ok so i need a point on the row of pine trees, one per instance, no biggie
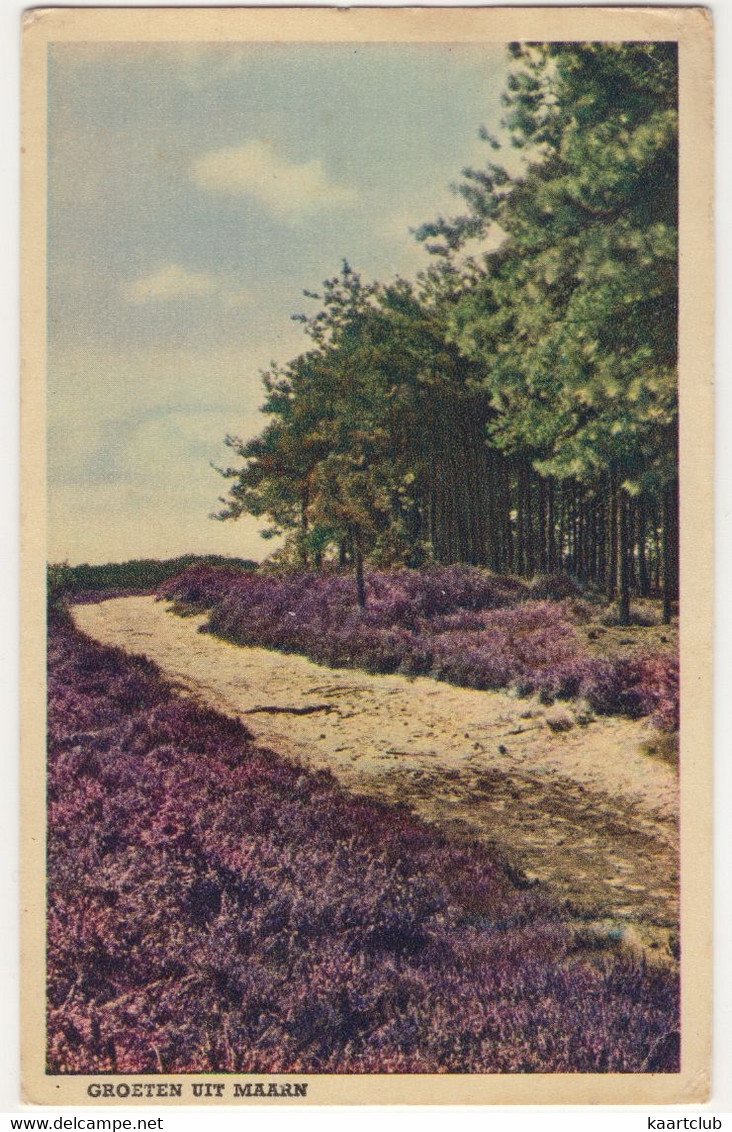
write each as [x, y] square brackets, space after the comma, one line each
[515, 407]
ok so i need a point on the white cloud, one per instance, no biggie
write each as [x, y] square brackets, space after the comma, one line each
[255, 169]
[171, 282]
[132, 437]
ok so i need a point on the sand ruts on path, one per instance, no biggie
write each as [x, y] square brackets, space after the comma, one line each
[586, 811]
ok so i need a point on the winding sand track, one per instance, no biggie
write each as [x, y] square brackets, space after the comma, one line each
[585, 811]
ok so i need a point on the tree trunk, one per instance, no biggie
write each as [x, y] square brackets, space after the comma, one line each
[519, 561]
[624, 552]
[529, 538]
[543, 557]
[670, 549]
[508, 550]
[576, 532]
[562, 528]
[601, 543]
[304, 524]
[591, 537]
[551, 532]
[360, 585]
[633, 543]
[612, 566]
[581, 512]
[357, 544]
[644, 583]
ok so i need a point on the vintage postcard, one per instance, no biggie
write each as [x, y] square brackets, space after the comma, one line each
[367, 535]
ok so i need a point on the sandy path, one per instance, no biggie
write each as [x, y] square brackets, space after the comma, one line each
[586, 811]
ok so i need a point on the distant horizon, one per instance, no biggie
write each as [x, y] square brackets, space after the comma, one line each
[195, 191]
[152, 558]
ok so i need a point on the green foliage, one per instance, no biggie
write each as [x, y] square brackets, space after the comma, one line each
[575, 316]
[446, 418]
[350, 447]
[59, 585]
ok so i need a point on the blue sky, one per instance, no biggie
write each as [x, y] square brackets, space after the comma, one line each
[194, 192]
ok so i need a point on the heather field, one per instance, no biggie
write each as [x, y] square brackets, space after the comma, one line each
[215, 907]
[459, 624]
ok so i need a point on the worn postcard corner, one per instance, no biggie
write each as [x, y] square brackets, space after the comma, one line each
[367, 571]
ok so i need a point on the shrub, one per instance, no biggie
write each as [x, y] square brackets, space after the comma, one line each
[58, 586]
[455, 623]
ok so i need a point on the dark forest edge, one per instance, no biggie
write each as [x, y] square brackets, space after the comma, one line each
[516, 407]
[216, 908]
[136, 576]
[460, 624]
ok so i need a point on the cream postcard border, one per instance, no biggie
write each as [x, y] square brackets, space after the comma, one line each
[691, 28]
